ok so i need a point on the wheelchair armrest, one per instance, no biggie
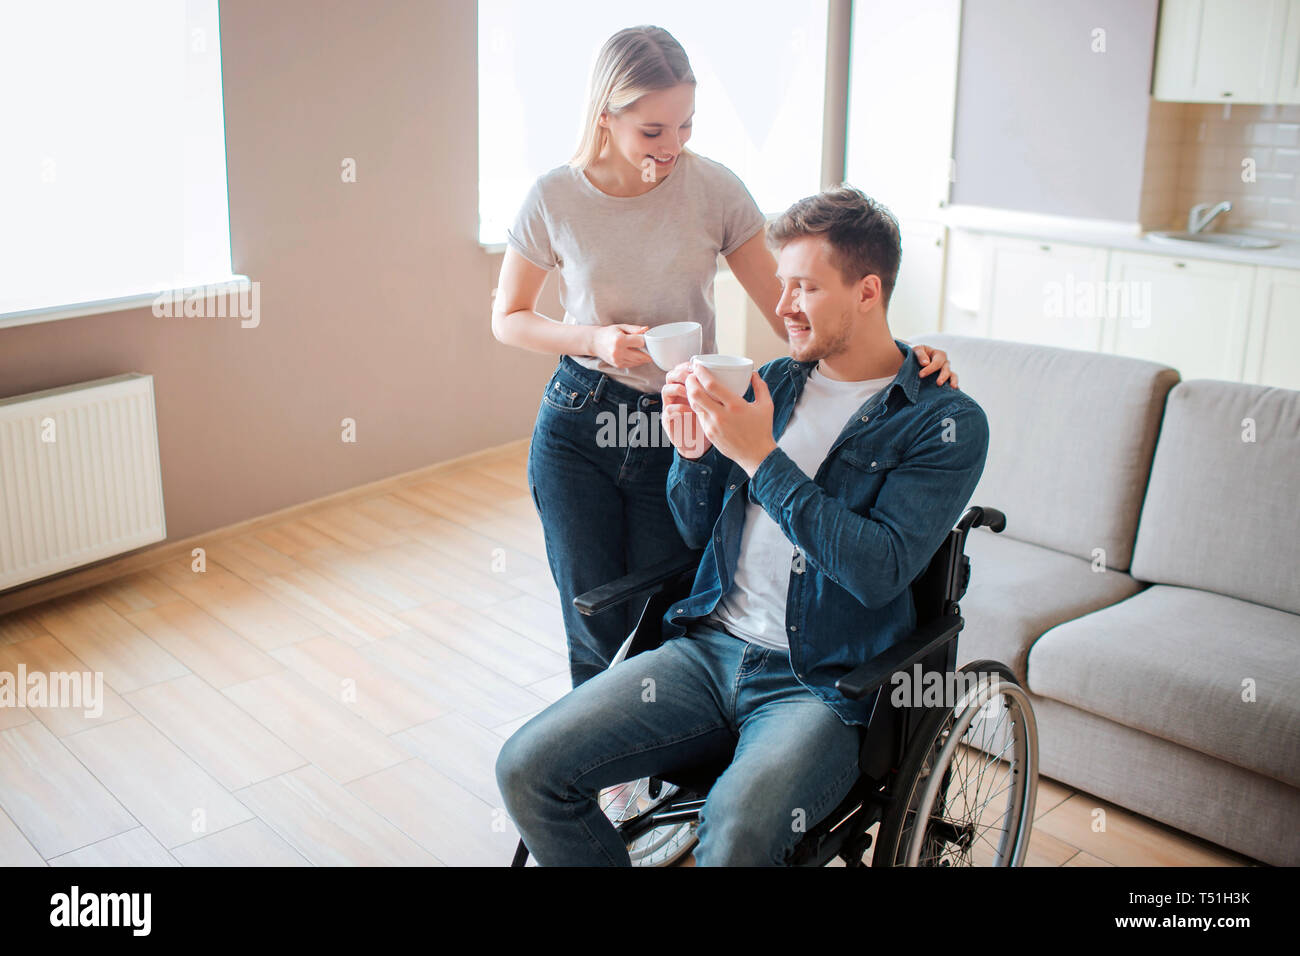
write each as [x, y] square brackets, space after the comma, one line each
[923, 642]
[638, 582]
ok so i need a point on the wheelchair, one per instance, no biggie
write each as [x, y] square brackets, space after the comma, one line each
[951, 782]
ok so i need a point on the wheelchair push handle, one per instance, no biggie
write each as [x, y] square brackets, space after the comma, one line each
[979, 517]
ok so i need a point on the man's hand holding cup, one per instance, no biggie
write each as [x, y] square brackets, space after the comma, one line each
[701, 411]
[678, 417]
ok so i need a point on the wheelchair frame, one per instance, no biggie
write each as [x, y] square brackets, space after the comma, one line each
[896, 747]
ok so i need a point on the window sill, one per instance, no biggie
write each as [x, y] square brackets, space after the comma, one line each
[223, 286]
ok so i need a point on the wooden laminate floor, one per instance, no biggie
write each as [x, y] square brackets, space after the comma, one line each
[333, 690]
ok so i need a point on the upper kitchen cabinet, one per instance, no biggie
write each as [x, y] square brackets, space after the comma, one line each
[1288, 84]
[1227, 51]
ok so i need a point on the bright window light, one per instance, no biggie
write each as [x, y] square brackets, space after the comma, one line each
[902, 78]
[760, 70]
[113, 170]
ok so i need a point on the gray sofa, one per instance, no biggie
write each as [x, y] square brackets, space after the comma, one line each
[1147, 586]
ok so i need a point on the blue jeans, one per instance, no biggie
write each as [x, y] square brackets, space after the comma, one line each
[602, 499]
[688, 701]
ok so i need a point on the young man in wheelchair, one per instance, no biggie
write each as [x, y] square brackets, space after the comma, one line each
[812, 539]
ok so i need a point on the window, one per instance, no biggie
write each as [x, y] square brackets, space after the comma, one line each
[902, 94]
[113, 172]
[760, 70]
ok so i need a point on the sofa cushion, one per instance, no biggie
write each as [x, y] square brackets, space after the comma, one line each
[1070, 439]
[1172, 661]
[1017, 591]
[1221, 511]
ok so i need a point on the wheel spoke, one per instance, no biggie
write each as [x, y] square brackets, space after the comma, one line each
[972, 796]
[659, 845]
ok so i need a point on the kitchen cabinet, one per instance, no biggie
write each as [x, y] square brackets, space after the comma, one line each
[1189, 313]
[1288, 84]
[1226, 51]
[1207, 318]
[1273, 344]
[1044, 293]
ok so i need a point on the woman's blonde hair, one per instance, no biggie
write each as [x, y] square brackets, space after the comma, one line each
[632, 63]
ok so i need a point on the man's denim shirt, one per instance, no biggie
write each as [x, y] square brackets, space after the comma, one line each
[894, 483]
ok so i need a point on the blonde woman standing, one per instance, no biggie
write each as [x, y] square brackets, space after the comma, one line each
[634, 223]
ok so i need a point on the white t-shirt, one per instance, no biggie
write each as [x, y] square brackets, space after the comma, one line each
[754, 606]
[644, 260]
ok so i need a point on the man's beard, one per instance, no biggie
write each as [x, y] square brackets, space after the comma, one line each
[817, 349]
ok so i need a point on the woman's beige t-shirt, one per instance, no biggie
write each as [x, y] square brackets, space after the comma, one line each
[645, 260]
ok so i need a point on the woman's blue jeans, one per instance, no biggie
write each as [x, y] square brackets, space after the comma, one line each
[689, 701]
[598, 472]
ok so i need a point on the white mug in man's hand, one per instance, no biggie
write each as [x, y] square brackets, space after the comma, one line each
[733, 371]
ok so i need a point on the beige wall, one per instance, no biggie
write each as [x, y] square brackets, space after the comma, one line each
[375, 295]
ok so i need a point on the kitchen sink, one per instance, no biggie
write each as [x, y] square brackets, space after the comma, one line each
[1231, 240]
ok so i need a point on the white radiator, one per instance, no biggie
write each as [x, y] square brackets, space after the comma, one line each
[79, 476]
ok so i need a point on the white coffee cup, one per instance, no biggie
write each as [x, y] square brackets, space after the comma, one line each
[672, 344]
[733, 371]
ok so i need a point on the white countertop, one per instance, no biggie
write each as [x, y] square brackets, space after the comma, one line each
[1117, 235]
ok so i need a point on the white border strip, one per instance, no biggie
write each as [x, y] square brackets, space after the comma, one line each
[1015, 222]
[139, 300]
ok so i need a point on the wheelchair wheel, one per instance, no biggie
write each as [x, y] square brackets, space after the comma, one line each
[968, 781]
[660, 846]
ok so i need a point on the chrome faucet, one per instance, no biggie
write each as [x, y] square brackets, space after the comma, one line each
[1199, 218]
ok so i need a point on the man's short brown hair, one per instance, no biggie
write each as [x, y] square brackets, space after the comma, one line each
[863, 235]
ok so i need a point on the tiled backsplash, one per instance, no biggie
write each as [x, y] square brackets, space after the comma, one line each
[1195, 154]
